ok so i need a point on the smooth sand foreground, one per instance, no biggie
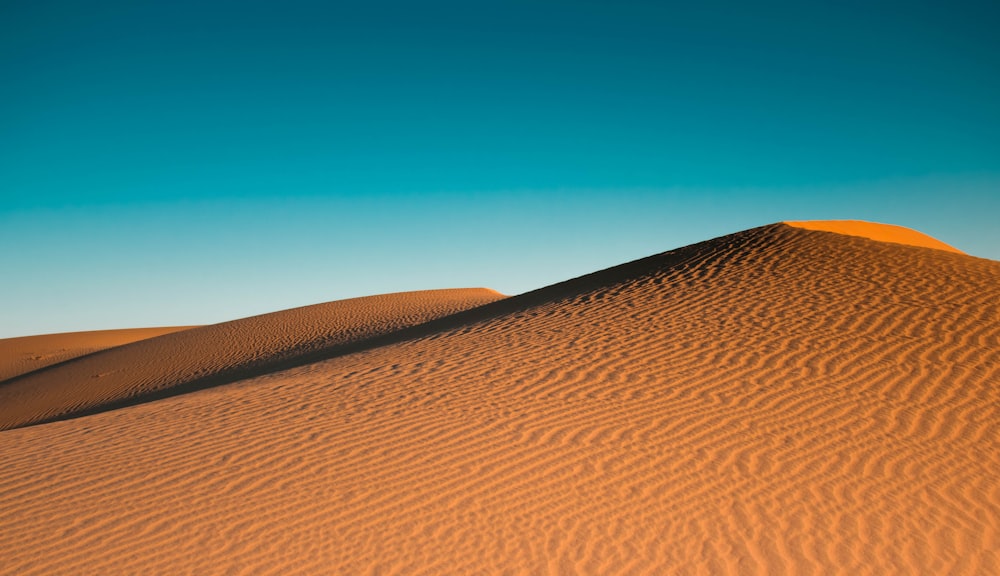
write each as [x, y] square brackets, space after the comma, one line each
[776, 401]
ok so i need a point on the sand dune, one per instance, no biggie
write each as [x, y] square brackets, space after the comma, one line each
[218, 353]
[29, 353]
[777, 401]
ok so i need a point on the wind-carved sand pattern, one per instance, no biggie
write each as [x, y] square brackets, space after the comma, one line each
[776, 401]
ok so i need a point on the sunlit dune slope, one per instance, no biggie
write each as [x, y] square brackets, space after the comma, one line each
[29, 353]
[210, 355]
[776, 401]
[876, 231]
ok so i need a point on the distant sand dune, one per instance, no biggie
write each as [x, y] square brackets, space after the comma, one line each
[776, 401]
[29, 353]
[219, 353]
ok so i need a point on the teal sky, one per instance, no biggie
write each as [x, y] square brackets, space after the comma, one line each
[183, 162]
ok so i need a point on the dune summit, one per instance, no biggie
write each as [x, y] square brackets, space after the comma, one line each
[876, 231]
[779, 400]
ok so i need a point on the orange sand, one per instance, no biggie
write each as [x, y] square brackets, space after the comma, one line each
[29, 353]
[219, 353]
[776, 401]
[876, 231]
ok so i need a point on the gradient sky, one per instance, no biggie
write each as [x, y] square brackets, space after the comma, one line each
[166, 163]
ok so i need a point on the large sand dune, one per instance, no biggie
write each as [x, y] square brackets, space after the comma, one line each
[777, 401]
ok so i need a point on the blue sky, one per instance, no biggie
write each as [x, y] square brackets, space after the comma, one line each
[190, 162]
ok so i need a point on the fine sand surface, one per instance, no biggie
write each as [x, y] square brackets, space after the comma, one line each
[219, 353]
[777, 401]
[29, 353]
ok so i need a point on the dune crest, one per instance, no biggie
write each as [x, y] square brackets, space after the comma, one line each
[876, 231]
[775, 401]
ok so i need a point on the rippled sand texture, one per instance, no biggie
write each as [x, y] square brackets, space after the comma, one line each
[777, 401]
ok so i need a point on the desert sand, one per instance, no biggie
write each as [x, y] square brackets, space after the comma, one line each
[782, 400]
[30, 353]
[876, 231]
[219, 353]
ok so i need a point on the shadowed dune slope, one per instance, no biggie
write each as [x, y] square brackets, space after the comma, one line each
[776, 401]
[876, 231]
[219, 353]
[29, 353]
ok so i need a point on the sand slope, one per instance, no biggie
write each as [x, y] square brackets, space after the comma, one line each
[777, 401]
[29, 353]
[219, 353]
